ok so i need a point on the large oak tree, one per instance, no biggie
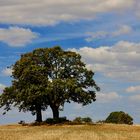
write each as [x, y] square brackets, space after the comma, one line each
[49, 77]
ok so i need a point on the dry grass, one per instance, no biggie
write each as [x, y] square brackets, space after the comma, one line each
[70, 132]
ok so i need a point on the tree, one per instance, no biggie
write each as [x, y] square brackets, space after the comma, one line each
[119, 118]
[29, 81]
[27, 91]
[69, 80]
[50, 77]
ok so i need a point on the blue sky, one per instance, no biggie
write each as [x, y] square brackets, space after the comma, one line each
[105, 33]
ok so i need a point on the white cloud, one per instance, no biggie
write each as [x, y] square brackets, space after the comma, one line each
[135, 98]
[46, 12]
[96, 35]
[137, 8]
[2, 88]
[107, 97]
[122, 30]
[118, 61]
[7, 72]
[16, 37]
[133, 89]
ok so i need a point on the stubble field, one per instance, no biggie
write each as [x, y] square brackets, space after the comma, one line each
[70, 132]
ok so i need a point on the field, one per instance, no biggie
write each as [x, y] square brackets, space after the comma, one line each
[70, 132]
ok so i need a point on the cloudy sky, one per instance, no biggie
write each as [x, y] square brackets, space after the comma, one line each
[105, 32]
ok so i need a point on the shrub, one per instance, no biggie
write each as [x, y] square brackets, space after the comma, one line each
[55, 121]
[80, 120]
[119, 118]
[87, 120]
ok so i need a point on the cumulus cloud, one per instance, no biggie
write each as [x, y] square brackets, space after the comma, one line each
[107, 97]
[7, 72]
[133, 89]
[122, 30]
[45, 12]
[137, 8]
[135, 98]
[118, 61]
[16, 37]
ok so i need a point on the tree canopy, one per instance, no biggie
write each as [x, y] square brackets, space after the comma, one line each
[119, 117]
[49, 77]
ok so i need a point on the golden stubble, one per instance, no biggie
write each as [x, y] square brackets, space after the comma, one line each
[70, 132]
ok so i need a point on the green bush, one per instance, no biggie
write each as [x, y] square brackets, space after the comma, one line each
[119, 118]
[82, 120]
[55, 121]
[87, 120]
[78, 120]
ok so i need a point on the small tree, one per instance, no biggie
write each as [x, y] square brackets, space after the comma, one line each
[119, 118]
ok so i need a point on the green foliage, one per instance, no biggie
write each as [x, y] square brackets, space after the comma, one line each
[80, 120]
[7, 99]
[119, 118]
[49, 77]
[69, 80]
[87, 120]
[56, 120]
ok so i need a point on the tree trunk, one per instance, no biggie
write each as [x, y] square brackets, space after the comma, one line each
[38, 114]
[55, 111]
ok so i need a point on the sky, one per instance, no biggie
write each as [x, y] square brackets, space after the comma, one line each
[106, 33]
